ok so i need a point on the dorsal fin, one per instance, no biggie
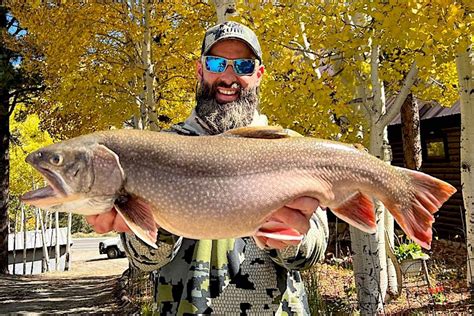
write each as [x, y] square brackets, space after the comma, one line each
[360, 147]
[267, 132]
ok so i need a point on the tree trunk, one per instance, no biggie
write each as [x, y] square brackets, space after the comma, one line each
[148, 76]
[411, 133]
[370, 264]
[370, 270]
[4, 180]
[224, 9]
[465, 70]
[4, 147]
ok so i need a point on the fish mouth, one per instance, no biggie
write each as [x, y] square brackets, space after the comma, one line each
[52, 194]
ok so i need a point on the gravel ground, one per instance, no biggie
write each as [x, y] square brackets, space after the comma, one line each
[87, 288]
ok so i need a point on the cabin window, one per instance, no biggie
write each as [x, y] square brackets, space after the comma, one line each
[435, 147]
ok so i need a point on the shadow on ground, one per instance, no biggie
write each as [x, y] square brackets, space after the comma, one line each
[34, 294]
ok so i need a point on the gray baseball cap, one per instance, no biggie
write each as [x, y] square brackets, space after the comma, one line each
[231, 30]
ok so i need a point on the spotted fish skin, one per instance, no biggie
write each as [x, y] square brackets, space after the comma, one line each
[214, 187]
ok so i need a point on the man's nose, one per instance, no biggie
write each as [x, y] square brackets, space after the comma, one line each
[229, 76]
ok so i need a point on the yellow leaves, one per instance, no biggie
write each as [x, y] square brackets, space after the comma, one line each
[28, 137]
[92, 58]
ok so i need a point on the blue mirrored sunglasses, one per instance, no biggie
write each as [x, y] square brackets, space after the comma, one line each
[242, 67]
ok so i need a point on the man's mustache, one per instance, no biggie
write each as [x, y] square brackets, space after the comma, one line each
[233, 85]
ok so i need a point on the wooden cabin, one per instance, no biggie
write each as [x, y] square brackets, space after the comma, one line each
[440, 130]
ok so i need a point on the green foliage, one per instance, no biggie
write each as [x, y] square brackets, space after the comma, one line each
[408, 250]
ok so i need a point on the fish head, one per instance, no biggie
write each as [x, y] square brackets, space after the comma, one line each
[81, 178]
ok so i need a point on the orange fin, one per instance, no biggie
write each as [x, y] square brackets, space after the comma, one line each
[139, 217]
[358, 211]
[429, 194]
[278, 230]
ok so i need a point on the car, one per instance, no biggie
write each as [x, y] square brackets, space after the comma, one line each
[112, 247]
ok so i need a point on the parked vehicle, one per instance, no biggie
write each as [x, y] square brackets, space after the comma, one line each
[113, 247]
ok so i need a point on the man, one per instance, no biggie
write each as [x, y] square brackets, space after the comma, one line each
[256, 275]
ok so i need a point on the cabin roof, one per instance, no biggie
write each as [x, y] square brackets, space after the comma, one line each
[429, 110]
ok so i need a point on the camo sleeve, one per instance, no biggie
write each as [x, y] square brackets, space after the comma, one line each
[147, 259]
[310, 250]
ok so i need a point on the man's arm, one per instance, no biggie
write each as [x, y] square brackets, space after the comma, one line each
[148, 259]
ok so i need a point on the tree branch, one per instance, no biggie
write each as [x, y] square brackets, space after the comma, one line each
[377, 85]
[404, 91]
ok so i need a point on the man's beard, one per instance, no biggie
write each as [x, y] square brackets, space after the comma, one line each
[223, 117]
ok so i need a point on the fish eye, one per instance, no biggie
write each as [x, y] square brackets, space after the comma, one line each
[56, 160]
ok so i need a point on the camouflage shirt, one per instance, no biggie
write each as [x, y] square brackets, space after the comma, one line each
[228, 276]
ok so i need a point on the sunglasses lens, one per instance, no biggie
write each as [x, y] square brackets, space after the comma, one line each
[244, 66]
[215, 64]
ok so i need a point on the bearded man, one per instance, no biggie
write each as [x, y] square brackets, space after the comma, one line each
[252, 275]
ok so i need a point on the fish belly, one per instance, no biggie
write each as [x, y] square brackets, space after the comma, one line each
[225, 207]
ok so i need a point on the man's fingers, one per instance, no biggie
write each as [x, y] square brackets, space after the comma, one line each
[104, 222]
[304, 204]
[292, 218]
[91, 219]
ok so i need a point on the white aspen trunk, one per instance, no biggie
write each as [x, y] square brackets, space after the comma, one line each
[370, 264]
[465, 68]
[151, 120]
[393, 285]
[140, 121]
[308, 54]
[225, 9]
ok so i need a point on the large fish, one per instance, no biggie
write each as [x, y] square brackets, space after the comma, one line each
[213, 187]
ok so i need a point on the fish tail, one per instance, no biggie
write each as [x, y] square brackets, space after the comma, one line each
[427, 196]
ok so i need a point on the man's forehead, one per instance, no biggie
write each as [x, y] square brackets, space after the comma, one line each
[234, 45]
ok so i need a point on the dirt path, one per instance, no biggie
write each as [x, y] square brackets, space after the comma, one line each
[88, 288]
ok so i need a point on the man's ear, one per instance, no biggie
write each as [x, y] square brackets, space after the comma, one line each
[260, 72]
[199, 70]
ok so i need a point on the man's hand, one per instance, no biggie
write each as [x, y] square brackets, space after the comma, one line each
[295, 215]
[109, 221]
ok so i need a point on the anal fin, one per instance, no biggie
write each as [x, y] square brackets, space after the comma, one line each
[139, 217]
[358, 211]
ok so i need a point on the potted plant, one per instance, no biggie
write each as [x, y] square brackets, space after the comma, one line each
[410, 256]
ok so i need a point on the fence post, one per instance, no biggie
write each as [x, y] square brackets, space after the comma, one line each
[67, 262]
[43, 238]
[56, 248]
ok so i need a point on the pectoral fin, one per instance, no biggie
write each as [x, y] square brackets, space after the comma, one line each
[266, 132]
[139, 217]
